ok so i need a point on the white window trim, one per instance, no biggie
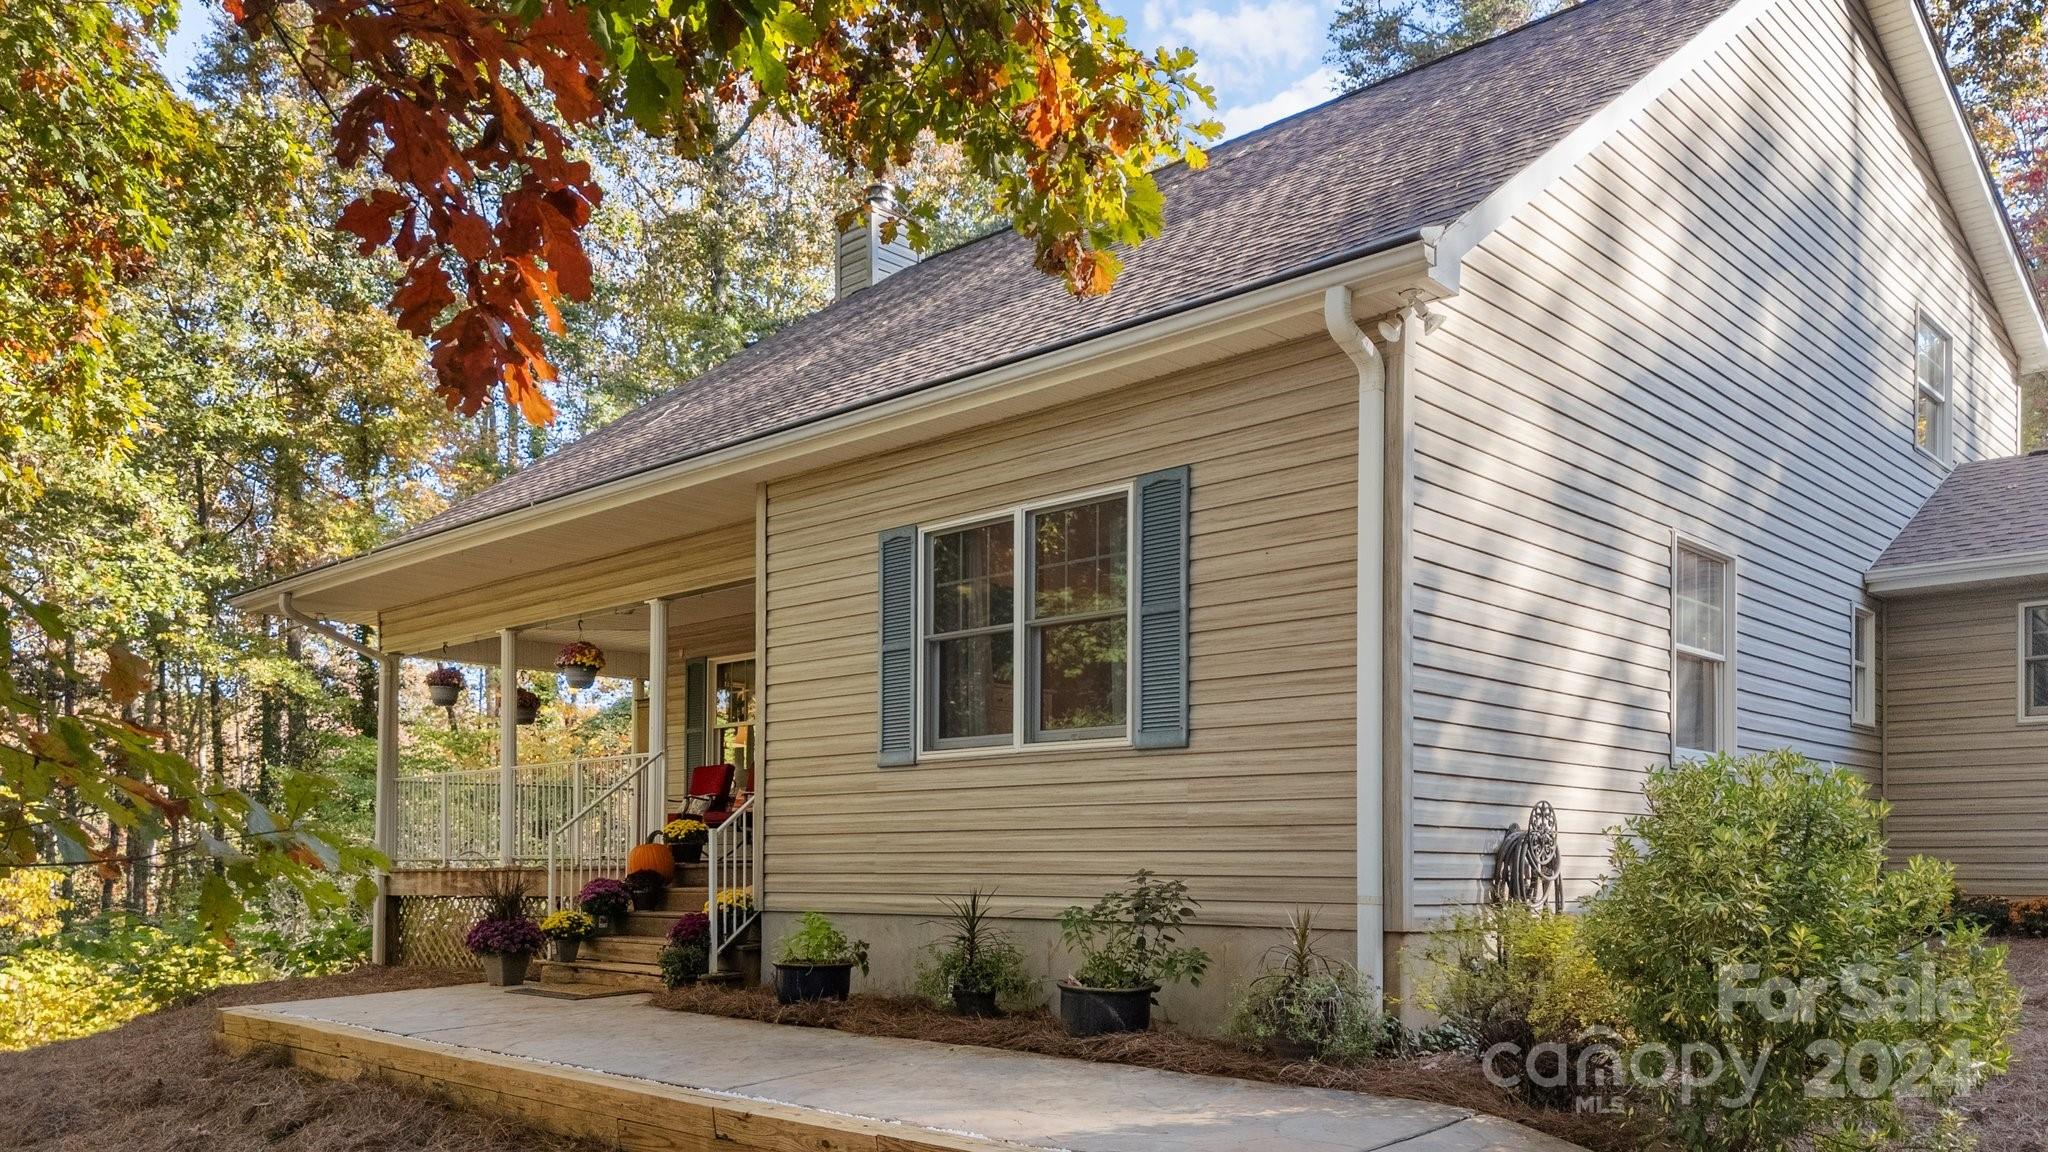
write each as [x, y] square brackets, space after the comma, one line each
[1725, 700]
[1860, 615]
[711, 725]
[2020, 663]
[1941, 436]
[1020, 626]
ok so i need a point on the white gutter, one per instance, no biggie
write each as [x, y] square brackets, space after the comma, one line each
[1343, 327]
[1244, 311]
[1936, 575]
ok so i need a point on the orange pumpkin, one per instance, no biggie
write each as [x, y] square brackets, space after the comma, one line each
[651, 858]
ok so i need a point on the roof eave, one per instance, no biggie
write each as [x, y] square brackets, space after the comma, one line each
[1956, 575]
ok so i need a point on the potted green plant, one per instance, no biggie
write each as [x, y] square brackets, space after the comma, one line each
[644, 889]
[686, 836]
[1304, 1005]
[579, 663]
[567, 929]
[505, 938]
[975, 965]
[606, 900]
[445, 685]
[687, 955]
[817, 962]
[527, 707]
[1126, 943]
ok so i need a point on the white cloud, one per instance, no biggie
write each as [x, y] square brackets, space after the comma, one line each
[1307, 92]
[1244, 47]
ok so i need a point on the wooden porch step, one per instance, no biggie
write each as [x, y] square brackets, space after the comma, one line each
[627, 949]
[611, 972]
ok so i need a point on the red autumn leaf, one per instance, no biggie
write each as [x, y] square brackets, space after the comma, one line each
[422, 295]
[369, 218]
[470, 235]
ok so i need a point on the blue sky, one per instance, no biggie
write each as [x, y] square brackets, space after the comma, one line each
[1264, 57]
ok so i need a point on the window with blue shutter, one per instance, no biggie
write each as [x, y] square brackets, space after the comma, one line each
[898, 642]
[1063, 621]
[1162, 655]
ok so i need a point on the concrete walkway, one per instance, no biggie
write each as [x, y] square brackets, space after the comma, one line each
[1018, 1099]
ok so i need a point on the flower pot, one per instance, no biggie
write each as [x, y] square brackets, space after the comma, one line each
[1095, 1011]
[646, 899]
[981, 1005]
[687, 851]
[444, 695]
[525, 715]
[505, 969]
[579, 675]
[798, 983]
[565, 950]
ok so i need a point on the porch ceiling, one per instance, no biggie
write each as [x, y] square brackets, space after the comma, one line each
[621, 632]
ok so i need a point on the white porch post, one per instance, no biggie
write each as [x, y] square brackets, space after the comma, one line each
[656, 801]
[508, 745]
[385, 818]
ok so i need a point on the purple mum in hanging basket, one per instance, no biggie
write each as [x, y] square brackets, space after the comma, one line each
[605, 896]
[690, 928]
[504, 937]
[445, 677]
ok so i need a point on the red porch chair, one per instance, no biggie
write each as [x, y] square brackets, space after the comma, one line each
[719, 815]
[709, 790]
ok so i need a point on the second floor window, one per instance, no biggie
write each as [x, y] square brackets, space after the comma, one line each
[1863, 669]
[1933, 361]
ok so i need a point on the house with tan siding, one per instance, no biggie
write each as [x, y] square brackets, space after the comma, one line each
[1479, 439]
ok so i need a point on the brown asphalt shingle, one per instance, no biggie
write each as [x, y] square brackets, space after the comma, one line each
[1984, 510]
[1367, 169]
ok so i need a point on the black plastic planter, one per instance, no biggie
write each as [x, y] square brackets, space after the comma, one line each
[797, 983]
[1096, 1011]
[977, 1004]
[687, 851]
[646, 899]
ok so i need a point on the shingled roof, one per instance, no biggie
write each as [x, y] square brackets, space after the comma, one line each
[1363, 171]
[1984, 511]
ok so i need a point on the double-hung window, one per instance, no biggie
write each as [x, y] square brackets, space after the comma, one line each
[734, 711]
[1002, 669]
[1863, 669]
[2033, 646]
[1933, 370]
[1702, 633]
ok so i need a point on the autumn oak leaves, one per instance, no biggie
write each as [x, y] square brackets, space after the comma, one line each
[469, 109]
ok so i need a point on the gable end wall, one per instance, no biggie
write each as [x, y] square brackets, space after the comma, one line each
[1707, 327]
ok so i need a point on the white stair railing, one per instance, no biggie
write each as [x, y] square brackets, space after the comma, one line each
[594, 839]
[734, 854]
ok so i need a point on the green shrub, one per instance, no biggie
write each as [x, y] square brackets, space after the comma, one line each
[1126, 940]
[684, 963]
[816, 941]
[107, 972]
[975, 956]
[1305, 1000]
[1765, 874]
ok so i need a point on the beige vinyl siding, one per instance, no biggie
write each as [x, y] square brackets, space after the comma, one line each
[1967, 780]
[1707, 327]
[717, 558]
[1257, 813]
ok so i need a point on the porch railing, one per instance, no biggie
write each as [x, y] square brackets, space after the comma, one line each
[734, 854]
[450, 819]
[594, 838]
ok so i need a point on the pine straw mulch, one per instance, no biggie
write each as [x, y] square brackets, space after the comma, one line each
[160, 1083]
[2010, 1114]
[1443, 1079]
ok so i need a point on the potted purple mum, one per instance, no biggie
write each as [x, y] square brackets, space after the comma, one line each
[506, 938]
[607, 900]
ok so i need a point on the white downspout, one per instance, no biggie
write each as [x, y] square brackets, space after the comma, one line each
[1343, 327]
[384, 817]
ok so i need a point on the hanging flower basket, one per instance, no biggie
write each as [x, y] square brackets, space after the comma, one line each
[445, 685]
[528, 706]
[579, 663]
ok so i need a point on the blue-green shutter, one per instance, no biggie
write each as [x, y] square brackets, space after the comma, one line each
[898, 643]
[1161, 657]
[696, 713]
